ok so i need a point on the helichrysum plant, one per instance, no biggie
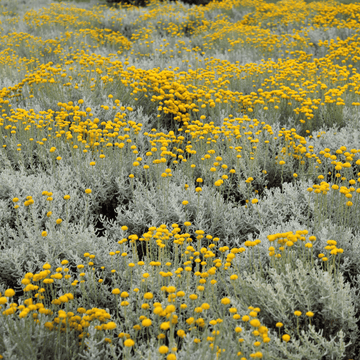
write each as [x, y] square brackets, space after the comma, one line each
[179, 182]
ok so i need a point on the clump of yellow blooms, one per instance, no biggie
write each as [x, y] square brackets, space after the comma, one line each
[178, 311]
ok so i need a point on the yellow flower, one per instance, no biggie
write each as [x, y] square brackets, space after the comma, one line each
[146, 322]
[115, 291]
[297, 313]
[110, 326]
[165, 325]
[286, 337]
[205, 306]
[255, 323]
[148, 295]
[310, 314]
[88, 191]
[44, 233]
[170, 309]
[3, 300]
[49, 325]
[129, 342]
[225, 301]
[163, 349]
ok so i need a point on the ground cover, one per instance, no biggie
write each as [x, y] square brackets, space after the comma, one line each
[179, 182]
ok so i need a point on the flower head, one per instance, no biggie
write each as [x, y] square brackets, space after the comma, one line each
[163, 349]
[110, 325]
[225, 301]
[286, 337]
[9, 293]
[129, 342]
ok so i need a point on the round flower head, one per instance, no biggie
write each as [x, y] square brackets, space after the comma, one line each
[225, 301]
[146, 322]
[110, 326]
[3, 300]
[9, 293]
[163, 349]
[148, 295]
[129, 342]
[286, 337]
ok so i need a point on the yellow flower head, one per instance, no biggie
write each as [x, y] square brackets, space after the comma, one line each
[148, 295]
[110, 326]
[163, 349]
[225, 301]
[129, 342]
[146, 322]
[286, 337]
[9, 293]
